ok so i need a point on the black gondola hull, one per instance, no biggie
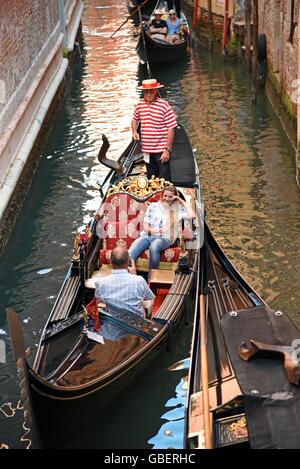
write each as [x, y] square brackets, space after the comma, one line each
[158, 52]
[62, 413]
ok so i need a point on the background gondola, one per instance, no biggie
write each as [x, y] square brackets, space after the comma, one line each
[156, 51]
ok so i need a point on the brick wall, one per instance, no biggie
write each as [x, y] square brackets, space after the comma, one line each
[217, 6]
[275, 22]
[25, 27]
[217, 22]
[217, 16]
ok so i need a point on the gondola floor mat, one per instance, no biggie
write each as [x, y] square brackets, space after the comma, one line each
[272, 403]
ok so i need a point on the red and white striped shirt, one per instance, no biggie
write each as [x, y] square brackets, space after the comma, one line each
[155, 120]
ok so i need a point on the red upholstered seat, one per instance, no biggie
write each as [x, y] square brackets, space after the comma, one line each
[122, 224]
[120, 234]
[170, 254]
[168, 258]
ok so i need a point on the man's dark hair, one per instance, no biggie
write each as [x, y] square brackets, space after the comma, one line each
[119, 257]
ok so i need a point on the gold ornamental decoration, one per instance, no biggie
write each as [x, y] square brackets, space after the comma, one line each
[81, 238]
[139, 187]
[239, 428]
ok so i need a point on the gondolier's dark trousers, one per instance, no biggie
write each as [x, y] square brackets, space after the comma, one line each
[156, 168]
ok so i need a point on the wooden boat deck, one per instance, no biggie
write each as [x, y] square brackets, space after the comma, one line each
[63, 305]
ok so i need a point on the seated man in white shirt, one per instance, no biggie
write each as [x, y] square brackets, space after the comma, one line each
[123, 289]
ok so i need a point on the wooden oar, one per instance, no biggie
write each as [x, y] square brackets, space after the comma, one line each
[204, 358]
[20, 353]
[133, 13]
[144, 45]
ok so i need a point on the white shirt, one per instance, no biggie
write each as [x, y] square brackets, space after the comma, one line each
[158, 216]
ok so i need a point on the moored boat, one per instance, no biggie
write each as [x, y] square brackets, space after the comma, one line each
[244, 374]
[159, 51]
[76, 371]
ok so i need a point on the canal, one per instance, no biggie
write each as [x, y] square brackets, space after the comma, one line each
[252, 203]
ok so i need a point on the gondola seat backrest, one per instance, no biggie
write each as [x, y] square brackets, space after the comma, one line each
[122, 224]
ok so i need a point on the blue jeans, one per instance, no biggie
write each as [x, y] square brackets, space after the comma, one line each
[154, 243]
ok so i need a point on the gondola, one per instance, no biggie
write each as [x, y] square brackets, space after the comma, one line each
[157, 51]
[76, 370]
[145, 6]
[243, 387]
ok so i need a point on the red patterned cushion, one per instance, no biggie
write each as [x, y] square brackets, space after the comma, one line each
[154, 198]
[123, 208]
[104, 256]
[122, 223]
[168, 255]
[119, 233]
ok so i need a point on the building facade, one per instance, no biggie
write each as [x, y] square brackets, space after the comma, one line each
[35, 38]
[279, 21]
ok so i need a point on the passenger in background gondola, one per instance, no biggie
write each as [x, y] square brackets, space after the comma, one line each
[158, 27]
[176, 4]
[173, 24]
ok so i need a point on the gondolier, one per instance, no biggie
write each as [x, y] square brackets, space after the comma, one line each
[157, 121]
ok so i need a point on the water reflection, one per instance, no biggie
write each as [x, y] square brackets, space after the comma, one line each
[247, 168]
[170, 434]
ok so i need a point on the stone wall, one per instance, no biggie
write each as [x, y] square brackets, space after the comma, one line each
[35, 38]
[217, 18]
[27, 27]
[282, 46]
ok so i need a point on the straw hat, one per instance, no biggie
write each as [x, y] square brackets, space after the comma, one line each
[150, 84]
[158, 12]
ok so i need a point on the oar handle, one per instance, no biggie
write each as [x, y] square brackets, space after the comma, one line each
[204, 374]
[133, 13]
